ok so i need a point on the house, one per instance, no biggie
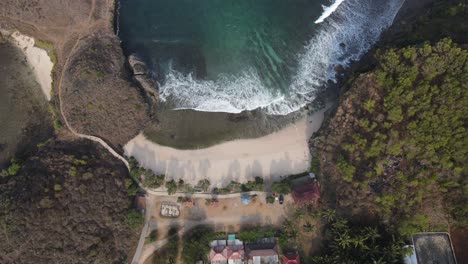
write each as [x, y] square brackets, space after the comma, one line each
[306, 192]
[140, 203]
[218, 253]
[229, 251]
[263, 251]
[291, 259]
[236, 254]
[431, 247]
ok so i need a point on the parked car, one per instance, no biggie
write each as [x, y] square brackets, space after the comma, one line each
[281, 199]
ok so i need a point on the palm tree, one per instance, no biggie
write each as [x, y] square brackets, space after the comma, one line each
[344, 240]
[370, 233]
[329, 215]
[309, 227]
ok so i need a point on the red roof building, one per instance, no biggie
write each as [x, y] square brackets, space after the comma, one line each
[307, 193]
[218, 255]
[291, 259]
[140, 202]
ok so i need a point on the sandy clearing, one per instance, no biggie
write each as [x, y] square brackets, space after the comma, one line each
[38, 59]
[282, 153]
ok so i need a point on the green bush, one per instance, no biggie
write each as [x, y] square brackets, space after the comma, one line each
[131, 187]
[256, 233]
[14, 167]
[270, 199]
[153, 236]
[283, 187]
[413, 224]
[72, 171]
[256, 185]
[196, 244]
[171, 187]
[134, 219]
[204, 184]
[152, 180]
[347, 170]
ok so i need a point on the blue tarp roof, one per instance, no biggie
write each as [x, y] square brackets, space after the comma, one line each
[245, 198]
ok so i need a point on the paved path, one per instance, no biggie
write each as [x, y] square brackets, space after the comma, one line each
[144, 231]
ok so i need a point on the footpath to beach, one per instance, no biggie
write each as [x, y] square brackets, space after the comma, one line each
[282, 153]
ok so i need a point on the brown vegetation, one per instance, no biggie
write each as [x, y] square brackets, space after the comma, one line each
[67, 204]
[97, 100]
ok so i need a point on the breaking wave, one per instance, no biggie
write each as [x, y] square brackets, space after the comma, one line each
[327, 11]
[352, 27]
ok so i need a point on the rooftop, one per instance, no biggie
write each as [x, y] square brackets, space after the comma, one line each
[307, 192]
[433, 248]
[291, 259]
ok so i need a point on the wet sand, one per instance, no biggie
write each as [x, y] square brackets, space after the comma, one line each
[190, 129]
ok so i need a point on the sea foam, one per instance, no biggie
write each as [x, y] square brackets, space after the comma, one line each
[328, 10]
[349, 31]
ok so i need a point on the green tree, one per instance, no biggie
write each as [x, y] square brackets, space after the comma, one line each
[270, 199]
[283, 187]
[204, 184]
[134, 219]
[171, 187]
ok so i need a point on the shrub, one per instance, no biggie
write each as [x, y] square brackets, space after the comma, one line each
[72, 171]
[204, 184]
[152, 180]
[14, 167]
[347, 170]
[256, 233]
[171, 187]
[270, 199]
[134, 219]
[153, 236]
[131, 187]
[283, 187]
[57, 187]
[256, 185]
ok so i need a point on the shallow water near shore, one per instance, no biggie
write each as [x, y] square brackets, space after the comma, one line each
[231, 56]
[24, 116]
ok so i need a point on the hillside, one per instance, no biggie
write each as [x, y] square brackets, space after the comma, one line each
[398, 137]
[67, 204]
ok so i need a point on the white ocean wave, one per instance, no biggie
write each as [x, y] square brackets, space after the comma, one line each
[350, 30]
[328, 10]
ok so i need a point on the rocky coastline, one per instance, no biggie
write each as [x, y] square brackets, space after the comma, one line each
[143, 78]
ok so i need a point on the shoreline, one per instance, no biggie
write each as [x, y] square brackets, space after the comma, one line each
[38, 59]
[282, 153]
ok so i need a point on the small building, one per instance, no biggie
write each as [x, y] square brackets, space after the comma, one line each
[236, 254]
[245, 198]
[263, 251]
[307, 192]
[140, 203]
[291, 259]
[431, 247]
[229, 251]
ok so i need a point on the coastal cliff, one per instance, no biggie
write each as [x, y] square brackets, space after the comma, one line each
[392, 152]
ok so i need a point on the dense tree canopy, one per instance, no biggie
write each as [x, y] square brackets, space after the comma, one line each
[410, 137]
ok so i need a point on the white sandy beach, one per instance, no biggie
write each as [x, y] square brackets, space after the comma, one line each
[279, 154]
[39, 60]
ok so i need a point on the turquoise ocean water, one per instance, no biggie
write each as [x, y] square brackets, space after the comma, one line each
[235, 55]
